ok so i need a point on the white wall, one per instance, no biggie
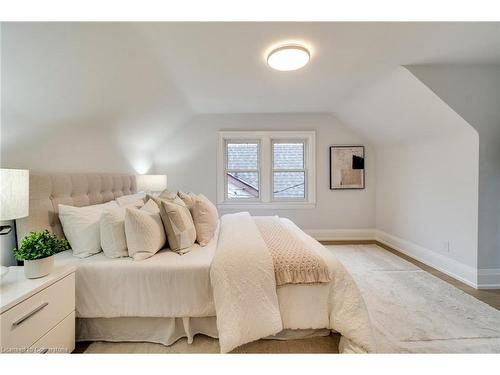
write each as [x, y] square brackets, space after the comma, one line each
[427, 195]
[84, 98]
[474, 93]
[188, 157]
[427, 171]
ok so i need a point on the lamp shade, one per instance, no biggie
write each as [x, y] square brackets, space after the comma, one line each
[151, 182]
[14, 196]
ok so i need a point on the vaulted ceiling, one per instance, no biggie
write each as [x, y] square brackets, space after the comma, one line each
[220, 67]
[142, 80]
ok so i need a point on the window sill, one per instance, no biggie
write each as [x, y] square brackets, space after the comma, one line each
[263, 206]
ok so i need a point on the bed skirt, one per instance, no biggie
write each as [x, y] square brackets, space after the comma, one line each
[164, 331]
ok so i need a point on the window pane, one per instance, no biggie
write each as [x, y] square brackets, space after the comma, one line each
[242, 155]
[288, 155]
[289, 184]
[242, 185]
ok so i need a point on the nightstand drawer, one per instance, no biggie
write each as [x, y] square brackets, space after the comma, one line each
[28, 321]
[60, 339]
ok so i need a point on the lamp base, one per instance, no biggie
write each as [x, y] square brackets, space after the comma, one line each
[5, 229]
[7, 242]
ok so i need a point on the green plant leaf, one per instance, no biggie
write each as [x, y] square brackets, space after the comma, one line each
[38, 245]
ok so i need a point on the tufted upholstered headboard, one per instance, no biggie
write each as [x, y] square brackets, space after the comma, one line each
[47, 191]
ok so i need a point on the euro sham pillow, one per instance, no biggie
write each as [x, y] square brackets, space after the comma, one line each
[112, 228]
[81, 227]
[178, 223]
[144, 231]
[205, 218]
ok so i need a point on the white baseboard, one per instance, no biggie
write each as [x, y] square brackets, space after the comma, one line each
[341, 234]
[479, 279]
[488, 278]
[451, 267]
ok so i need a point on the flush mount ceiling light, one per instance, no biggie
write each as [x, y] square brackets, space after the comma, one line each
[288, 57]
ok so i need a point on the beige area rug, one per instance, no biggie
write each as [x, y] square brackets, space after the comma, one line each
[204, 344]
[414, 311]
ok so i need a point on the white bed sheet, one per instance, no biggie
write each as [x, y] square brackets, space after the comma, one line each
[165, 285]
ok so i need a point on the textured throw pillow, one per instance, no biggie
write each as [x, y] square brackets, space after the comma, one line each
[167, 194]
[167, 197]
[178, 223]
[131, 199]
[81, 227]
[206, 219]
[113, 240]
[187, 198]
[144, 231]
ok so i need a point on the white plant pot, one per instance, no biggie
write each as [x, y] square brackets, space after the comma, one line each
[33, 269]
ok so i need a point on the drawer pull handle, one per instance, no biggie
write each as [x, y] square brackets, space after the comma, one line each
[29, 315]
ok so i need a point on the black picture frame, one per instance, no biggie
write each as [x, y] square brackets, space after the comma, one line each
[331, 149]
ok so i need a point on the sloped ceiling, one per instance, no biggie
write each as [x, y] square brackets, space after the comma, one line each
[399, 108]
[221, 67]
[79, 81]
[140, 81]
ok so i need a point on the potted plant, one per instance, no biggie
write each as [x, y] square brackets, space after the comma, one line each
[37, 251]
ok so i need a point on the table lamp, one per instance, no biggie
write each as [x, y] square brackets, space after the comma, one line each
[151, 183]
[14, 204]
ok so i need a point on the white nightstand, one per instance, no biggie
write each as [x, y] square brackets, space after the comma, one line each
[38, 315]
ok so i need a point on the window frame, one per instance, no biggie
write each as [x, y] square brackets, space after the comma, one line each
[303, 170]
[265, 164]
[258, 170]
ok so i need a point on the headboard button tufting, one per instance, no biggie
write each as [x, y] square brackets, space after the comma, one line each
[47, 191]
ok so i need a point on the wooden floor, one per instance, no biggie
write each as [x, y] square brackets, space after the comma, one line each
[489, 296]
[318, 345]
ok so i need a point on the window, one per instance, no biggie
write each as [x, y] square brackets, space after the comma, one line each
[242, 169]
[266, 169]
[289, 173]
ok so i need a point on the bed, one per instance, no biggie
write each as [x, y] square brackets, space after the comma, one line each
[170, 296]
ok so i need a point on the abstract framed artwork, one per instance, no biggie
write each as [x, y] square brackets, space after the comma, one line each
[347, 167]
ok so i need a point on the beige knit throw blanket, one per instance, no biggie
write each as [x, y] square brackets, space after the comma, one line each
[293, 262]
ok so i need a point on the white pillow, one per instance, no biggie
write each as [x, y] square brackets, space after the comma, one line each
[131, 199]
[81, 227]
[113, 240]
[144, 231]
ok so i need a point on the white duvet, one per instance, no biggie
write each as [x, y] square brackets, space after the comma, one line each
[249, 306]
[172, 285]
[235, 280]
